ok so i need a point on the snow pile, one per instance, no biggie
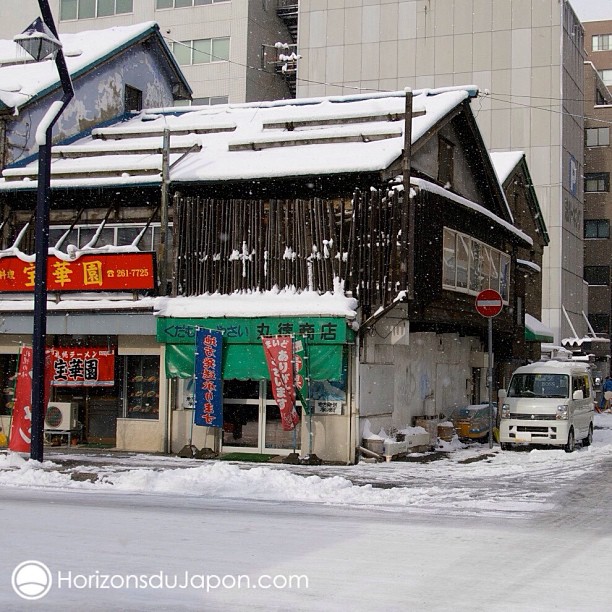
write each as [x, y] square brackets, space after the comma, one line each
[522, 478]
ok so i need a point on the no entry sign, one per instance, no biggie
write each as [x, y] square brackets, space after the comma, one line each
[489, 303]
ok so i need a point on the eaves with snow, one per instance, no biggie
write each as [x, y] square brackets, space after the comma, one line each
[313, 137]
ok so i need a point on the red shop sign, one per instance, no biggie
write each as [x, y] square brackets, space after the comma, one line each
[83, 367]
[103, 272]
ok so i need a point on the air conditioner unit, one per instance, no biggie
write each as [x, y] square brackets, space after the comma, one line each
[61, 415]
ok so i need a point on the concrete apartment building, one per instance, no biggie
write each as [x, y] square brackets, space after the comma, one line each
[598, 164]
[527, 59]
[226, 48]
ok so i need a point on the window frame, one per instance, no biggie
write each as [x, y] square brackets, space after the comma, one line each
[601, 180]
[601, 134]
[601, 42]
[74, 8]
[596, 274]
[491, 271]
[601, 227]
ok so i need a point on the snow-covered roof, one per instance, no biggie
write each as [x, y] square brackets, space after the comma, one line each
[263, 304]
[359, 133]
[22, 80]
[433, 188]
[505, 162]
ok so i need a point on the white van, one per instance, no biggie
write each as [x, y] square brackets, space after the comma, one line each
[548, 402]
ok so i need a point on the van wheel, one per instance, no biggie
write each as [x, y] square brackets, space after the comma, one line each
[589, 439]
[505, 446]
[571, 442]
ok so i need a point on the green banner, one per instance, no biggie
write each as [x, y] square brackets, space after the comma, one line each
[318, 330]
[247, 362]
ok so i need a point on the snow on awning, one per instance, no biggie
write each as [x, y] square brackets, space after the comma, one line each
[264, 304]
[536, 331]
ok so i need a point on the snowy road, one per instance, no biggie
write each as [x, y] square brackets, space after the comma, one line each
[352, 559]
[480, 530]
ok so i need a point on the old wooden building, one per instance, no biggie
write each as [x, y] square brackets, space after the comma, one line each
[366, 224]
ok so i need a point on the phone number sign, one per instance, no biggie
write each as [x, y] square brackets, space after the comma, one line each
[103, 272]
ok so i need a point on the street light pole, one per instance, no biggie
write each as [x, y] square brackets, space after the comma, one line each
[41, 40]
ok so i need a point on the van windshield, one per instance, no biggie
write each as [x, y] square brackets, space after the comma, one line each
[539, 385]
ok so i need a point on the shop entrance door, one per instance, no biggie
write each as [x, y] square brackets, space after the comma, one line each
[251, 420]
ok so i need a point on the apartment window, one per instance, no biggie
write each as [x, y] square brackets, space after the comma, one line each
[211, 101]
[606, 76]
[596, 228]
[597, 275]
[202, 51]
[469, 265]
[446, 161]
[602, 42]
[597, 137]
[89, 9]
[168, 4]
[597, 182]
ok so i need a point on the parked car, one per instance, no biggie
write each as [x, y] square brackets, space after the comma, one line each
[548, 402]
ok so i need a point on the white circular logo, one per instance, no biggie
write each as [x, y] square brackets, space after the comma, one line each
[31, 580]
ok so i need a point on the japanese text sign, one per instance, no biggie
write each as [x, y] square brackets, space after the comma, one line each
[83, 367]
[102, 272]
[208, 397]
[21, 423]
[279, 357]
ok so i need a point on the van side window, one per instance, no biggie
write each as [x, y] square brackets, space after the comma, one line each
[587, 387]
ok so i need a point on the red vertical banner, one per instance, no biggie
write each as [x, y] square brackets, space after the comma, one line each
[279, 357]
[21, 423]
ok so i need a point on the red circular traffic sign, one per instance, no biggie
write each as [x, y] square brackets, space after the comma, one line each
[489, 303]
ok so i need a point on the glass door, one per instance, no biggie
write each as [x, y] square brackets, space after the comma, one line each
[241, 414]
[251, 419]
[275, 437]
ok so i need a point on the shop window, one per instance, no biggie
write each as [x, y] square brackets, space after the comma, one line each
[597, 275]
[597, 182]
[596, 228]
[8, 378]
[142, 386]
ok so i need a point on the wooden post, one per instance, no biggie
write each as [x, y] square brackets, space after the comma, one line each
[408, 214]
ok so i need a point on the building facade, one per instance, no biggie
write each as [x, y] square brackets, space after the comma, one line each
[526, 57]
[227, 49]
[598, 165]
[287, 217]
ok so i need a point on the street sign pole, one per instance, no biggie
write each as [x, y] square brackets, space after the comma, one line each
[489, 304]
[490, 382]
